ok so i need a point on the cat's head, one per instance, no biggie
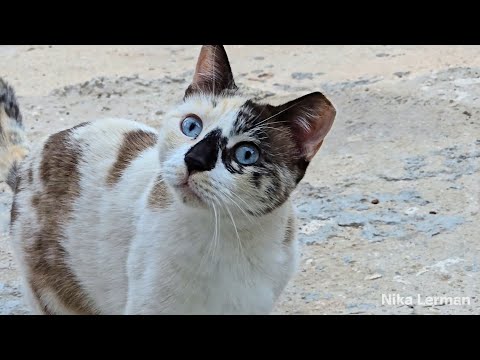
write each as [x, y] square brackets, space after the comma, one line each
[220, 147]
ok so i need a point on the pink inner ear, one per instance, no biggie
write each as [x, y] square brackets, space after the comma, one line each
[312, 121]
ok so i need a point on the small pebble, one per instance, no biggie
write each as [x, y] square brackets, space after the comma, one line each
[411, 211]
[310, 262]
[375, 201]
[265, 75]
[401, 74]
[373, 277]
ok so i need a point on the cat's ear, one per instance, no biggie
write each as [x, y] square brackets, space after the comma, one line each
[213, 73]
[310, 117]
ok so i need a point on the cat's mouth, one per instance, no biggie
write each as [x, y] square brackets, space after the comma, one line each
[188, 193]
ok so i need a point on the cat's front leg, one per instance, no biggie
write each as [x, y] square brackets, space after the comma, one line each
[145, 298]
[139, 304]
[151, 280]
[141, 281]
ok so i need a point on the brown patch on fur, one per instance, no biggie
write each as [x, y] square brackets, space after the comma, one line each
[276, 173]
[159, 197]
[289, 231]
[286, 146]
[133, 144]
[47, 258]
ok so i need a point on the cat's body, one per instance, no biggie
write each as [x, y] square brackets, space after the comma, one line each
[112, 217]
[134, 225]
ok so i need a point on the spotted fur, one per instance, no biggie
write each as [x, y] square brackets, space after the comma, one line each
[114, 217]
[159, 197]
[134, 143]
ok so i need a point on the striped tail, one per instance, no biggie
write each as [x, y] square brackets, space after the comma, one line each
[13, 140]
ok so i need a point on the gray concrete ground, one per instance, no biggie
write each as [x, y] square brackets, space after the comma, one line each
[390, 206]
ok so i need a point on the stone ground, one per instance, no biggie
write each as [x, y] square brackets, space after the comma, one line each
[389, 206]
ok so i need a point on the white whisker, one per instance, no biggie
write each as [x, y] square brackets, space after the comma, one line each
[241, 252]
[235, 203]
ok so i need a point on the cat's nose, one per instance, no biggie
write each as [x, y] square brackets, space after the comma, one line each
[195, 163]
[201, 157]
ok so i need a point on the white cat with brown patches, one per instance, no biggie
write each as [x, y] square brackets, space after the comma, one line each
[113, 217]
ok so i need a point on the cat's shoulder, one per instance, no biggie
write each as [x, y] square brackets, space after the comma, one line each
[107, 127]
[111, 139]
[88, 132]
[98, 136]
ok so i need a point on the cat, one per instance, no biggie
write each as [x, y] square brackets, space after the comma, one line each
[114, 217]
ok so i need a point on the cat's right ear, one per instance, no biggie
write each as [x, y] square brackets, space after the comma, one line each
[213, 74]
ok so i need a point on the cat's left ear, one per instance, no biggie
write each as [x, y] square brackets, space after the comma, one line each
[310, 117]
[213, 74]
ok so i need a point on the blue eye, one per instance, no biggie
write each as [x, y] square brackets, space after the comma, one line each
[247, 154]
[192, 126]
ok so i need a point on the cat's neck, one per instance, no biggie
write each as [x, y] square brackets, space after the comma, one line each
[184, 232]
[232, 218]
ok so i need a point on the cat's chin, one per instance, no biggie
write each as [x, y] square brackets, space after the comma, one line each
[189, 196]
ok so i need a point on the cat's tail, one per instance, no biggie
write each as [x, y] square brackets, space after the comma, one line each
[13, 139]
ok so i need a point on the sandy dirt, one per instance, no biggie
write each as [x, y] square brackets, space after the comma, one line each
[390, 205]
